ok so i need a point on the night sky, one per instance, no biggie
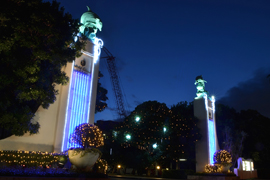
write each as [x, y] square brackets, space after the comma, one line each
[162, 45]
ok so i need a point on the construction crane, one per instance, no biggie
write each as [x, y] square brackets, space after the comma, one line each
[115, 83]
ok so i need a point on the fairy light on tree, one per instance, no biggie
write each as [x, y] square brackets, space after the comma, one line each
[151, 116]
[87, 136]
[182, 133]
[160, 131]
[222, 157]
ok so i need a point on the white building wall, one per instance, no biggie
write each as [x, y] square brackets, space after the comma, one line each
[44, 140]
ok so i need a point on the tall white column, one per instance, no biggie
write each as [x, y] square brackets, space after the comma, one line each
[204, 110]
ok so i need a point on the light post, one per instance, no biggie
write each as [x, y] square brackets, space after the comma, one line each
[137, 118]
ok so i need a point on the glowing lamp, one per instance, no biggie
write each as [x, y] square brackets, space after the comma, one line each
[164, 129]
[158, 167]
[155, 145]
[137, 119]
[118, 166]
[128, 137]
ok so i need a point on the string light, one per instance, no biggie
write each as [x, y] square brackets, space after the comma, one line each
[87, 135]
[222, 156]
[212, 168]
[30, 158]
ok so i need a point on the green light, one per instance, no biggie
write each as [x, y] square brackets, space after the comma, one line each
[128, 137]
[137, 119]
[164, 129]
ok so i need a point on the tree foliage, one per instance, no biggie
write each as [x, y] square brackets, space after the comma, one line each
[101, 96]
[36, 41]
[183, 133]
[87, 136]
[243, 134]
[173, 130]
[145, 132]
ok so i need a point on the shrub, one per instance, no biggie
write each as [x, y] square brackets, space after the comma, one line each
[222, 157]
[30, 158]
[211, 168]
[87, 135]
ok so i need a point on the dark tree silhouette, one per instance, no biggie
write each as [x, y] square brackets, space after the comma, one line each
[36, 42]
[101, 97]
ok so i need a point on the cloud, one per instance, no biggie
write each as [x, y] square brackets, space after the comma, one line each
[251, 94]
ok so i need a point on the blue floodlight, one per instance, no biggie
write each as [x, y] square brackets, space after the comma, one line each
[78, 106]
[212, 142]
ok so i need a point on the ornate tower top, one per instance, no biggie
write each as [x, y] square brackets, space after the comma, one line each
[90, 23]
[200, 86]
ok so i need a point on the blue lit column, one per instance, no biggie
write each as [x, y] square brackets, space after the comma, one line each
[204, 110]
[82, 92]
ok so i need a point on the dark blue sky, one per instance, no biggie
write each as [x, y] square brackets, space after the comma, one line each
[162, 45]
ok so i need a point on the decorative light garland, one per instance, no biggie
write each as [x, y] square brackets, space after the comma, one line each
[222, 157]
[212, 168]
[30, 158]
[87, 135]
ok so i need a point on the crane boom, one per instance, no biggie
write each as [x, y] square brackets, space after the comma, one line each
[115, 83]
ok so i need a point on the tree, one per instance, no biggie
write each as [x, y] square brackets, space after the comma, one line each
[243, 134]
[225, 117]
[143, 130]
[230, 133]
[256, 145]
[182, 135]
[101, 96]
[160, 134]
[87, 136]
[233, 143]
[36, 41]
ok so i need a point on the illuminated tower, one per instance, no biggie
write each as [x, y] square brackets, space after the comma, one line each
[204, 110]
[81, 100]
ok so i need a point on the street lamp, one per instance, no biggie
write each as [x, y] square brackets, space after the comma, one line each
[128, 137]
[155, 145]
[164, 129]
[137, 118]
